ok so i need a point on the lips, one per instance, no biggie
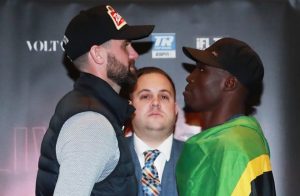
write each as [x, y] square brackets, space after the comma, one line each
[187, 89]
[155, 114]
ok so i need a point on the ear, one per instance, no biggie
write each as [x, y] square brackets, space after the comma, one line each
[231, 83]
[176, 108]
[98, 54]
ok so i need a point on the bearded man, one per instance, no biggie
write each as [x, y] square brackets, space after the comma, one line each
[83, 151]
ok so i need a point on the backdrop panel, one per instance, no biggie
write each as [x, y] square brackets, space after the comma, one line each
[33, 75]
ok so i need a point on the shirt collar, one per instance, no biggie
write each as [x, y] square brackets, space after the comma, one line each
[164, 148]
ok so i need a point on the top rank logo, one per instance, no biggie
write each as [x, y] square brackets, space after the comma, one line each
[164, 45]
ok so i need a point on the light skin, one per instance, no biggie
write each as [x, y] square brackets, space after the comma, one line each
[155, 115]
[117, 58]
[215, 93]
[98, 55]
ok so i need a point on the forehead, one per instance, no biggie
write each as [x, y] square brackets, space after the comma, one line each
[115, 42]
[153, 82]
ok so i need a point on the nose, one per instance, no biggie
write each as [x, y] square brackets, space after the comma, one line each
[189, 79]
[155, 103]
[132, 53]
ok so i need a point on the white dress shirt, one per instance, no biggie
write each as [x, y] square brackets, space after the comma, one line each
[165, 153]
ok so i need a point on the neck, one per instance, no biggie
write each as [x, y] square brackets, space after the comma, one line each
[214, 118]
[116, 87]
[104, 77]
[152, 138]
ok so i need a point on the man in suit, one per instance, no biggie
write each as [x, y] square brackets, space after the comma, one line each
[153, 123]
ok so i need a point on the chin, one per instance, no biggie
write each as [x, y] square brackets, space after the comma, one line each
[155, 127]
[187, 104]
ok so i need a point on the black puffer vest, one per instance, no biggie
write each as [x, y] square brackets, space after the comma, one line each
[89, 94]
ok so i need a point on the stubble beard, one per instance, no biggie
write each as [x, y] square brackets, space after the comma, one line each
[124, 76]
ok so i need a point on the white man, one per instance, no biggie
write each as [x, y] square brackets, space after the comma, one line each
[153, 147]
[83, 151]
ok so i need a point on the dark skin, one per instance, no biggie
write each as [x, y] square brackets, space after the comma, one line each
[215, 93]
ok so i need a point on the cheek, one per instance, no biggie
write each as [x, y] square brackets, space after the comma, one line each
[169, 109]
[121, 56]
[124, 54]
[136, 117]
[172, 107]
[208, 95]
[172, 116]
[198, 91]
[199, 94]
[213, 88]
[140, 109]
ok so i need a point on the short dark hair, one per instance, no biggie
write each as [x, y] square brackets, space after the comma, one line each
[147, 70]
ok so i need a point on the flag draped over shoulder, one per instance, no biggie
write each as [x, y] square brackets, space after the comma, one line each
[229, 159]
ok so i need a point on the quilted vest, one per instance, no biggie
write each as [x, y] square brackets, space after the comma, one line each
[90, 93]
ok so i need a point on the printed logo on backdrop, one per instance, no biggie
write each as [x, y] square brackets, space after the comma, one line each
[44, 45]
[25, 148]
[164, 45]
[204, 42]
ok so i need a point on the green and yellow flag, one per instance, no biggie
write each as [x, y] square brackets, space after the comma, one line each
[229, 159]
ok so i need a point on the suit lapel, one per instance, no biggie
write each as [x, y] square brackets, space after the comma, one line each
[137, 165]
[168, 181]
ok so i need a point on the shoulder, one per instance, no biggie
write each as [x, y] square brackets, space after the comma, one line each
[88, 119]
[177, 146]
[75, 97]
[76, 102]
[129, 138]
[243, 141]
[87, 126]
[177, 142]
[129, 141]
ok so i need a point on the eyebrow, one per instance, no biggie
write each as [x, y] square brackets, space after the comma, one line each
[126, 41]
[147, 90]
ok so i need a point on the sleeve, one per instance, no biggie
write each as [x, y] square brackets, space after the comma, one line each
[87, 151]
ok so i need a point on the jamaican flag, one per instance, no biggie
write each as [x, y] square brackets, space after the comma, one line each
[228, 159]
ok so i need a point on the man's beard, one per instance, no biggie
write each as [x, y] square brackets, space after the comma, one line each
[124, 76]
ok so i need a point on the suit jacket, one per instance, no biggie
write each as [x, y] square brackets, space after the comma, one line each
[168, 181]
